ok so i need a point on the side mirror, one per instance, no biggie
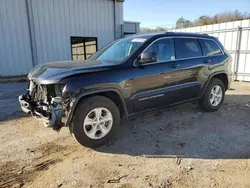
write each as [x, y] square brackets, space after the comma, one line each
[147, 57]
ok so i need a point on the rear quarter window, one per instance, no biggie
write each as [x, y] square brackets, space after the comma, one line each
[187, 48]
[209, 47]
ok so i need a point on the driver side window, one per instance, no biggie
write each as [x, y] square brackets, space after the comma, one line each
[164, 49]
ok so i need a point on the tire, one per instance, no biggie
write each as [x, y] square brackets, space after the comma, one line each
[87, 109]
[205, 102]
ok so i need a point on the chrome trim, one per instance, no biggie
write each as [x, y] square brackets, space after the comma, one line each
[166, 88]
[151, 97]
[173, 37]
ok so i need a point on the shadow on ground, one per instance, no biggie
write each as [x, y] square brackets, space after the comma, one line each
[9, 105]
[187, 132]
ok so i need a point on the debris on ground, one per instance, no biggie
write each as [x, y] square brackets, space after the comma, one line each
[178, 161]
[247, 105]
[159, 156]
[116, 180]
[213, 185]
[164, 128]
[189, 168]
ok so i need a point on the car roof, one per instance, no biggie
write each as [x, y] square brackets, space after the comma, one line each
[169, 34]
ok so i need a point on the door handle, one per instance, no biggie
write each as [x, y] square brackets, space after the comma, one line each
[207, 61]
[174, 65]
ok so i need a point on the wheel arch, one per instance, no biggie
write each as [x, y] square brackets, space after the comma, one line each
[219, 75]
[112, 94]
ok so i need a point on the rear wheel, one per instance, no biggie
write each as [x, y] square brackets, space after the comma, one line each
[96, 121]
[213, 96]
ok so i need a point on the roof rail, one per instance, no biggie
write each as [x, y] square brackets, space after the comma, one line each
[178, 32]
[187, 33]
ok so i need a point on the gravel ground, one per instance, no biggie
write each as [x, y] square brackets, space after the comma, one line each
[174, 147]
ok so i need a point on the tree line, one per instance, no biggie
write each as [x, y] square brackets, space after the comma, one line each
[204, 20]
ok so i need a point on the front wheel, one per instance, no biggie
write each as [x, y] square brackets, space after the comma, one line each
[214, 96]
[96, 121]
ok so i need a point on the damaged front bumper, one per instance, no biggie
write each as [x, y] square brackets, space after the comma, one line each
[25, 106]
[51, 115]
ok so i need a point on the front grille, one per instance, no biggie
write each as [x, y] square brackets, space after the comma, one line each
[42, 93]
[37, 92]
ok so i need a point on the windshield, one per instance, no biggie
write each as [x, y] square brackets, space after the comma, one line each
[119, 50]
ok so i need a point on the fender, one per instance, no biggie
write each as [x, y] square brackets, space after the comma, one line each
[208, 81]
[79, 97]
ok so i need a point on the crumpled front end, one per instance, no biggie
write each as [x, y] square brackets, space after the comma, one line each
[45, 102]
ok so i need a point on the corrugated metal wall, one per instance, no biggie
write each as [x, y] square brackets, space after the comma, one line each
[53, 22]
[15, 50]
[227, 34]
[119, 18]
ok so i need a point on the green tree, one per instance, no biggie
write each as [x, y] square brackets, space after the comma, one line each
[160, 29]
[152, 30]
[183, 23]
[218, 18]
[179, 23]
[203, 20]
[187, 23]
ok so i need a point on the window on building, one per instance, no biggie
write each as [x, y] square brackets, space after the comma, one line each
[82, 47]
[164, 49]
[210, 47]
[187, 48]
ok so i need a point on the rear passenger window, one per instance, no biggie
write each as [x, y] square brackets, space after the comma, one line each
[187, 48]
[210, 47]
[164, 49]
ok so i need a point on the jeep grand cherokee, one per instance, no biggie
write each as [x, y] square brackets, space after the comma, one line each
[131, 75]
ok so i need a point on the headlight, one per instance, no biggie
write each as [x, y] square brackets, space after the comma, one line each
[59, 89]
[62, 88]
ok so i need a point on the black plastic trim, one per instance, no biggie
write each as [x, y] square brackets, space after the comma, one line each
[210, 78]
[79, 97]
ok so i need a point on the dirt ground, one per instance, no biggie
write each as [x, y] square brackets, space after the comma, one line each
[174, 147]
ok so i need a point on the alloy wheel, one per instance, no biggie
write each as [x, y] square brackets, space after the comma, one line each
[98, 123]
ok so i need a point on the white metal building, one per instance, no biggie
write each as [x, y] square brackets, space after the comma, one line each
[39, 31]
[235, 36]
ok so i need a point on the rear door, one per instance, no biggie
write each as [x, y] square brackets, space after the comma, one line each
[187, 69]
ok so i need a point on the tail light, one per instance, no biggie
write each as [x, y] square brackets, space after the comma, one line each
[229, 56]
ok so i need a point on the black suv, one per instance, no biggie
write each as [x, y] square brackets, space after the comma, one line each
[131, 75]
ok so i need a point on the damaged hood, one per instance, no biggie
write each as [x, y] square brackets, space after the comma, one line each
[51, 73]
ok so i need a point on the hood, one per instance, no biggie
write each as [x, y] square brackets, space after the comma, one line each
[51, 73]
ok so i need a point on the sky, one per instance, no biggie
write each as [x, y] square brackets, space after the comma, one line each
[153, 13]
